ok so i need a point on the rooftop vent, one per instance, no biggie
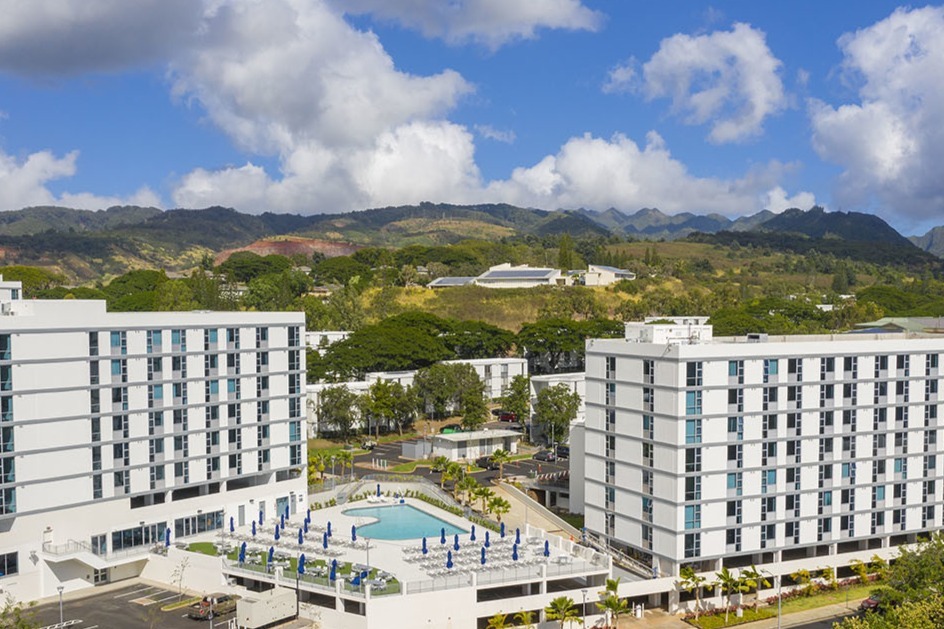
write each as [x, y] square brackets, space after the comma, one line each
[757, 337]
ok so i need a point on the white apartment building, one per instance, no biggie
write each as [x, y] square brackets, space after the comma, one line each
[119, 429]
[766, 450]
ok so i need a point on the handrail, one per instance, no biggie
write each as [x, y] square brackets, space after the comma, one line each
[619, 557]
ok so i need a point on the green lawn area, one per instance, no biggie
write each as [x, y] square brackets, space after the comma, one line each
[853, 594]
[717, 621]
[205, 548]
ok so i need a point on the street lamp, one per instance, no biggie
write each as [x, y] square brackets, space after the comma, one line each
[61, 621]
[583, 608]
[779, 597]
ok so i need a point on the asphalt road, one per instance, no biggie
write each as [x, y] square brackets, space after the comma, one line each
[135, 606]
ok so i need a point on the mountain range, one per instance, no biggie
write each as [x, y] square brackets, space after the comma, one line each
[86, 245]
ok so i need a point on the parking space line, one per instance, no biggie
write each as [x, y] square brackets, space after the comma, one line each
[167, 598]
[144, 589]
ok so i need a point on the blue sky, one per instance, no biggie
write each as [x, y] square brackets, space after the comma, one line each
[312, 106]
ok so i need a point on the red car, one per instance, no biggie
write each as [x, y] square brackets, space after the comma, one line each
[507, 416]
[872, 603]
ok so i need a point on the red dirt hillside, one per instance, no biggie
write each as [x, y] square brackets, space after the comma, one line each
[289, 246]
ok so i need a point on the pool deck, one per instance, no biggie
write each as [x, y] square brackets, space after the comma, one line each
[403, 558]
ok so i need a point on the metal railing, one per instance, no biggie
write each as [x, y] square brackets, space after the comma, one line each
[68, 548]
[619, 557]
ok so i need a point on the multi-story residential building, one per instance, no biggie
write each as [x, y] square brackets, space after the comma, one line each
[732, 451]
[122, 431]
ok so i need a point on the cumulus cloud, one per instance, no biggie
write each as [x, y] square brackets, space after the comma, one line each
[729, 79]
[890, 143]
[24, 183]
[488, 22]
[777, 200]
[598, 173]
[58, 37]
[620, 78]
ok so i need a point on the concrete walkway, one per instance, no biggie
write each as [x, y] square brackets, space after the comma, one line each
[522, 514]
[818, 614]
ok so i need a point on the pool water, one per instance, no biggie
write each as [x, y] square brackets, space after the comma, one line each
[401, 522]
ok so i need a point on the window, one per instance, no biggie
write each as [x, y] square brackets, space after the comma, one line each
[736, 370]
[693, 460]
[880, 493]
[692, 430]
[771, 367]
[692, 517]
[692, 487]
[735, 482]
[693, 403]
[9, 564]
[692, 545]
[693, 374]
[826, 498]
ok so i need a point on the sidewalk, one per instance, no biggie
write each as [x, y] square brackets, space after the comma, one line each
[827, 612]
[521, 514]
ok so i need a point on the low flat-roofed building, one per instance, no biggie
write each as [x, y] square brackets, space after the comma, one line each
[472, 445]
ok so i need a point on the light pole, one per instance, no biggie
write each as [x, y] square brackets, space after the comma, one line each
[61, 621]
[583, 608]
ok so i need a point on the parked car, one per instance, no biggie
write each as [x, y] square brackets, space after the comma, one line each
[872, 603]
[486, 463]
[507, 416]
[562, 452]
[370, 444]
[545, 455]
[218, 604]
[448, 429]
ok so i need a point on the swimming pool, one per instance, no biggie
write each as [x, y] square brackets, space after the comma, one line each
[401, 522]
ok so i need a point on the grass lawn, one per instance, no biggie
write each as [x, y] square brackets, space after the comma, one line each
[853, 594]
[717, 621]
[206, 548]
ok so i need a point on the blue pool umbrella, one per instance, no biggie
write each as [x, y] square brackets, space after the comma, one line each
[502, 530]
[301, 537]
[271, 553]
[425, 549]
[353, 532]
[329, 528]
[308, 515]
[242, 553]
[547, 548]
[167, 537]
[253, 528]
[456, 544]
[260, 518]
[472, 536]
[442, 536]
[356, 580]
[483, 556]
[378, 489]
[305, 526]
[363, 574]
[276, 533]
[282, 520]
[232, 526]
[517, 536]
[334, 571]
[487, 542]
[449, 560]
[514, 552]
[286, 512]
[301, 564]
[324, 541]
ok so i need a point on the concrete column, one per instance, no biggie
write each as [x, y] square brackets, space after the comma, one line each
[338, 603]
[673, 601]
[543, 578]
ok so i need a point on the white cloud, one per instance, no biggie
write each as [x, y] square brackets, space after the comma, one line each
[59, 37]
[890, 143]
[597, 173]
[729, 79]
[489, 22]
[778, 200]
[620, 78]
[24, 184]
[506, 136]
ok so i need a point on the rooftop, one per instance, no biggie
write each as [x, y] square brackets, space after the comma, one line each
[478, 434]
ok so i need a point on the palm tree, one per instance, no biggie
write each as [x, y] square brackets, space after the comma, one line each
[693, 582]
[440, 463]
[484, 494]
[525, 619]
[317, 462]
[498, 621]
[346, 459]
[729, 585]
[563, 609]
[454, 472]
[611, 589]
[613, 606]
[499, 506]
[500, 457]
[754, 580]
[467, 485]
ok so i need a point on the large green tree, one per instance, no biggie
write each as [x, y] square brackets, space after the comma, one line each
[517, 397]
[336, 411]
[556, 407]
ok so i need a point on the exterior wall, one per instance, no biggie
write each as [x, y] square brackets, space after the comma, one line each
[472, 449]
[751, 460]
[577, 470]
[320, 339]
[161, 425]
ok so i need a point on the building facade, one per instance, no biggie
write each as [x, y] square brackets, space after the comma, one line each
[121, 431]
[761, 450]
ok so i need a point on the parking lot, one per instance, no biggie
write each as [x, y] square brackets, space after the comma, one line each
[137, 605]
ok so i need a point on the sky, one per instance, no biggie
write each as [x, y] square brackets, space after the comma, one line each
[323, 106]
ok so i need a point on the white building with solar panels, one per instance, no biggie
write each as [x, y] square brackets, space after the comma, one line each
[522, 276]
[119, 427]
